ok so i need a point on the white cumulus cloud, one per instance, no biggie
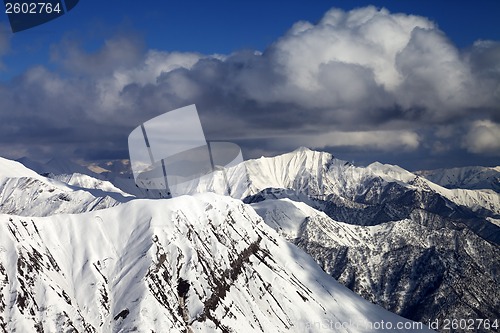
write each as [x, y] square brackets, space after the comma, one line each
[363, 79]
[483, 137]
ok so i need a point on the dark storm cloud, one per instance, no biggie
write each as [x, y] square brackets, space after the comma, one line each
[366, 80]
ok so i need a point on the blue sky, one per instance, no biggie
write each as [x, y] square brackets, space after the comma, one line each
[224, 26]
[409, 85]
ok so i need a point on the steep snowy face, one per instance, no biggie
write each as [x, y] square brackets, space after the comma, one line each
[467, 177]
[424, 268]
[320, 176]
[24, 192]
[428, 241]
[477, 200]
[205, 263]
[362, 195]
[11, 169]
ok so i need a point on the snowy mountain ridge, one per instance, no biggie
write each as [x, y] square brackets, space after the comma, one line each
[392, 236]
[467, 177]
[302, 170]
[401, 265]
[25, 192]
[204, 263]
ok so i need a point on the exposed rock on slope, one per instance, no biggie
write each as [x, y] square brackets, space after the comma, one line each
[204, 263]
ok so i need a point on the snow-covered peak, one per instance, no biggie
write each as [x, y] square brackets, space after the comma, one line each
[318, 175]
[475, 177]
[298, 159]
[302, 150]
[285, 170]
[13, 169]
[190, 264]
[25, 192]
[391, 172]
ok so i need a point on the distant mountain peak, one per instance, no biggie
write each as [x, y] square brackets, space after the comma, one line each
[471, 177]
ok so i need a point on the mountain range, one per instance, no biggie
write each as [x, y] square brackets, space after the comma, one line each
[473, 178]
[267, 259]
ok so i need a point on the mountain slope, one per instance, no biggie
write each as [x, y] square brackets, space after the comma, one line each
[429, 258]
[113, 177]
[204, 263]
[56, 166]
[460, 225]
[319, 175]
[84, 181]
[361, 195]
[315, 174]
[473, 178]
[25, 192]
[423, 268]
[322, 177]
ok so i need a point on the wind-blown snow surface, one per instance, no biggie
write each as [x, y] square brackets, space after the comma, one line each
[84, 181]
[191, 264]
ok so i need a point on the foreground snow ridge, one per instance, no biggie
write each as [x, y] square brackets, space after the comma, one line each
[205, 263]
